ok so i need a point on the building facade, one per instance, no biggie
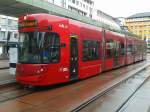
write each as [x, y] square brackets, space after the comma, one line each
[83, 7]
[8, 32]
[86, 8]
[139, 24]
[106, 19]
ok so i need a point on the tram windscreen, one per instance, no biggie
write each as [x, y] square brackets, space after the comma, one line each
[39, 47]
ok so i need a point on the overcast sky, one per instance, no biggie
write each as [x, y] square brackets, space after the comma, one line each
[123, 8]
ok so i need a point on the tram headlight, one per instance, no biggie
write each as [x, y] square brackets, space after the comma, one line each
[41, 70]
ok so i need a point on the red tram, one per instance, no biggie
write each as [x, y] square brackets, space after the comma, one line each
[56, 49]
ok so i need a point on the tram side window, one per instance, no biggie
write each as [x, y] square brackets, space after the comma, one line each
[53, 46]
[116, 48]
[135, 49]
[140, 48]
[91, 50]
[122, 49]
[109, 48]
[97, 49]
[130, 49]
[144, 48]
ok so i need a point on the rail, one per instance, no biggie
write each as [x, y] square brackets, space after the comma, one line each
[100, 95]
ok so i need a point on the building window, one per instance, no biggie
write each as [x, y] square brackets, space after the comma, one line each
[140, 31]
[80, 4]
[50, 1]
[3, 35]
[83, 5]
[91, 50]
[69, 8]
[9, 22]
[86, 7]
[73, 1]
[15, 22]
[3, 21]
[77, 2]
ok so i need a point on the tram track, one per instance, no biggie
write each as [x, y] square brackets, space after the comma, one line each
[107, 91]
[9, 88]
[121, 106]
[3, 68]
[6, 77]
[12, 91]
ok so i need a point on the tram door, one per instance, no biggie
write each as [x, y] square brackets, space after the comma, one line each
[116, 54]
[73, 58]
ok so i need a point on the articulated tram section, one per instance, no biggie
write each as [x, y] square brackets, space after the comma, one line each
[64, 60]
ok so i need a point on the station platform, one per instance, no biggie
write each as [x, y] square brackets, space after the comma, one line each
[4, 64]
[5, 76]
[67, 97]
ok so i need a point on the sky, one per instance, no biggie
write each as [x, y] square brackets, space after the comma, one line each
[123, 8]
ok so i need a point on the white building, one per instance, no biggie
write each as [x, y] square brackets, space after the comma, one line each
[122, 20]
[105, 18]
[83, 7]
[86, 8]
[8, 31]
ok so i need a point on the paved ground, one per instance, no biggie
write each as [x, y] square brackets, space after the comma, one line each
[4, 64]
[47, 101]
[6, 77]
[140, 102]
[115, 98]
[66, 98]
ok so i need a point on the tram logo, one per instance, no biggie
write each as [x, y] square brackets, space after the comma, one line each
[61, 25]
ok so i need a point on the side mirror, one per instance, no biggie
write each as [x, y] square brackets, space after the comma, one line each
[62, 45]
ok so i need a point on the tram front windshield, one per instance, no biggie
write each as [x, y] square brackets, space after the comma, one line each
[38, 48]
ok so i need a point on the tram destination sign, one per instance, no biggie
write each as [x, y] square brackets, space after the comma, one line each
[28, 24]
